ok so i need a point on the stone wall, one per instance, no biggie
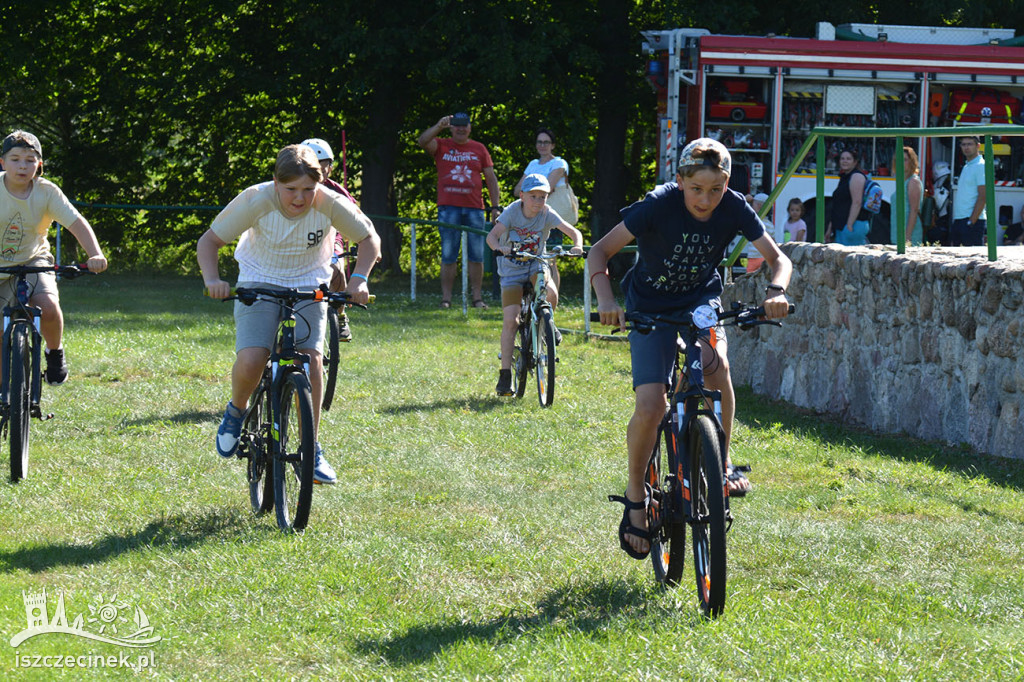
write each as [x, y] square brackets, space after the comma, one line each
[929, 343]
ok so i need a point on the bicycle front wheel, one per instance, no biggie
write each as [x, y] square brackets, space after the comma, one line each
[20, 387]
[331, 357]
[545, 359]
[295, 450]
[668, 539]
[707, 495]
[521, 354]
[255, 446]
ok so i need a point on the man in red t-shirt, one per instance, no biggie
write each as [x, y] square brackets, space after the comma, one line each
[460, 163]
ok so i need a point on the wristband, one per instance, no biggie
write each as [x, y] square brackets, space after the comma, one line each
[599, 272]
[362, 277]
[774, 287]
[496, 208]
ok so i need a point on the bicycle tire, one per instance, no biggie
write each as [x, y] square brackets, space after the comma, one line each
[668, 540]
[521, 354]
[545, 360]
[255, 446]
[331, 357]
[707, 514]
[294, 453]
[20, 410]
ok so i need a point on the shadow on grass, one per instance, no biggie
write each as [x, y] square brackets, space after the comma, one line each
[189, 417]
[998, 471]
[179, 530]
[569, 608]
[472, 403]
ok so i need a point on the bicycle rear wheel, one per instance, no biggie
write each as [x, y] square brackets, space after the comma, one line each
[522, 352]
[295, 450]
[545, 359]
[255, 446]
[331, 357]
[707, 493]
[20, 387]
[668, 540]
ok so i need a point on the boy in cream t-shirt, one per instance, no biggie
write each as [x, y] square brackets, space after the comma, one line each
[29, 204]
[284, 234]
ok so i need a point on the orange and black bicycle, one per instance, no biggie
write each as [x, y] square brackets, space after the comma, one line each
[686, 472]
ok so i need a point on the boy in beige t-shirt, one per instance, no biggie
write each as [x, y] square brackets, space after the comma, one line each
[29, 204]
[284, 232]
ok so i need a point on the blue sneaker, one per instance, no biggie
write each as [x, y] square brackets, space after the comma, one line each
[230, 428]
[322, 470]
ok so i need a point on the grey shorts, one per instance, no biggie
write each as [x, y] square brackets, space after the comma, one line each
[256, 325]
[515, 274]
[42, 283]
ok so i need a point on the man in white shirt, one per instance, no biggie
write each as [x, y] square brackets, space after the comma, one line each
[969, 199]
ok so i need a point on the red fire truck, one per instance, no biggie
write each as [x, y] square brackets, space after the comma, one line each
[760, 95]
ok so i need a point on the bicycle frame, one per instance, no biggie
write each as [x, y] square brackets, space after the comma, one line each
[266, 431]
[30, 316]
[535, 300]
[688, 400]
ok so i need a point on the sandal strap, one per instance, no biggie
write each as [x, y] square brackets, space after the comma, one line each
[628, 503]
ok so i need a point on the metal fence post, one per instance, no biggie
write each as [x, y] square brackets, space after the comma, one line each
[901, 193]
[586, 297]
[465, 275]
[412, 261]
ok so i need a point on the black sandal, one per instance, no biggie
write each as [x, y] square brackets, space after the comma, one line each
[625, 528]
[735, 474]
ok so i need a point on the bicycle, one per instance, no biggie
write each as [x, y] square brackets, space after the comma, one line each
[20, 355]
[692, 490]
[535, 347]
[277, 437]
[332, 339]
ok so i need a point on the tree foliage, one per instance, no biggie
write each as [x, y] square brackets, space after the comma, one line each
[146, 102]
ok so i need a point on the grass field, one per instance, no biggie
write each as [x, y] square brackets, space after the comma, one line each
[469, 537]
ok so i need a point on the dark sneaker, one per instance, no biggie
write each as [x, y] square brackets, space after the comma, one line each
[344, 333]
[323, 472]
[230, 428]
[504, 386]
[56, 368]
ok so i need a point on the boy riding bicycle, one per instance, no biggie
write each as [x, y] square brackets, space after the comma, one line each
[283, 229]
[682, 230]
[29, 204]
[527, 222]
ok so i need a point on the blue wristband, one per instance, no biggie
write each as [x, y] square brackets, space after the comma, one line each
[362, 277]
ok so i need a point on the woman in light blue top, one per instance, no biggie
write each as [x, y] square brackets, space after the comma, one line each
[912, 199]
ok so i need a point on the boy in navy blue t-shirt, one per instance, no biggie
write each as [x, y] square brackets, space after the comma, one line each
[681, 230]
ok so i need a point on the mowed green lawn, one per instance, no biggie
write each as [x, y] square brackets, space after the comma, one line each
[469, 537]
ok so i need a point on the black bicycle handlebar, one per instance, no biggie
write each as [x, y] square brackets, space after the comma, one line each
[69, 271]
[744, 317]
[549, 255]
[249, 295]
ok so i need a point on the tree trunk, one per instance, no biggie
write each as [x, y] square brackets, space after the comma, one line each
[380, 155]
[614, 44]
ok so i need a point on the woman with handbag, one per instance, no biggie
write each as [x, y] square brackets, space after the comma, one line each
[562, 198]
